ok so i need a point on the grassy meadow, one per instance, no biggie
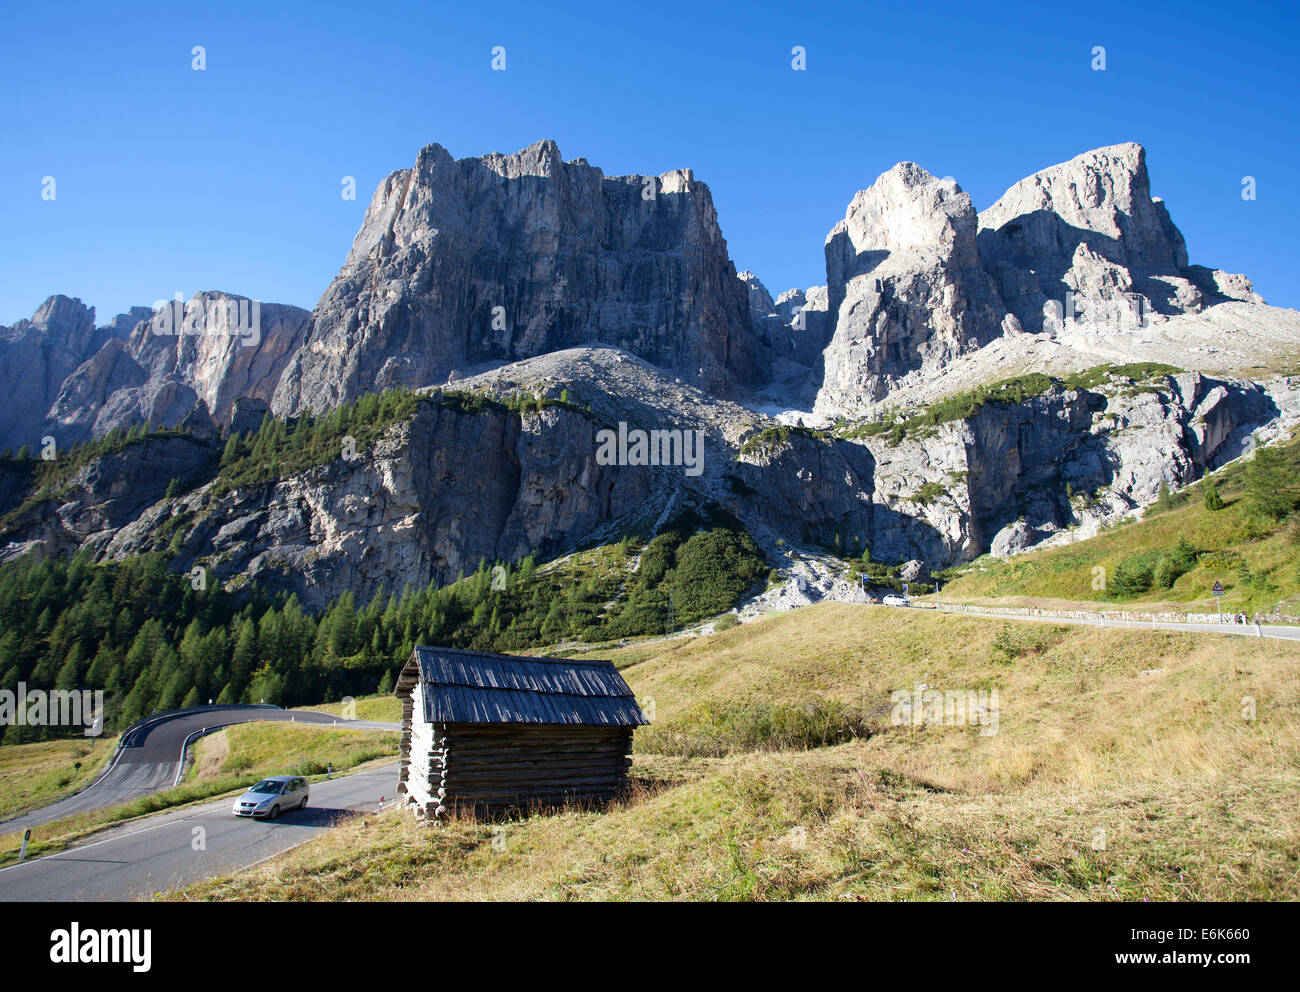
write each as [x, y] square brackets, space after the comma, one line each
[384, 709]
[1126, 764]
[32, 775]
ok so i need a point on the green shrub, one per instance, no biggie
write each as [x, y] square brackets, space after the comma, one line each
[1133, 576]
[928, 493]
[1213, 501]
[1163, 575]
[1272, 488]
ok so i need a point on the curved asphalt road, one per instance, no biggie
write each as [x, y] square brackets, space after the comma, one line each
[173, 849]
[156, 761]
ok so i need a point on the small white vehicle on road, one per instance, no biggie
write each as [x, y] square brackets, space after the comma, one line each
[895, 600]
[273, 796]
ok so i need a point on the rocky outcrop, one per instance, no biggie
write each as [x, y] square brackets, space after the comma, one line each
[905, 287]
[109, 493]
[1015, 475]
[454, 485]
[436, 496]
[761, 303]
[1078, 254]
[1090, 228]
[36, 356]
[189, 362]
[464, 264]
[457, 482]
[793, 330]
[807, 328]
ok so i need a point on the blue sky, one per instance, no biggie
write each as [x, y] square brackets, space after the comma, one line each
[174, 180]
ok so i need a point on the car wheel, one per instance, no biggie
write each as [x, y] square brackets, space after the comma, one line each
[303, 804]
[275, 811]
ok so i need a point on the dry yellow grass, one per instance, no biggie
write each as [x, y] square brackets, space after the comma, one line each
[32, 775]
[1126, 764]
[210, 755]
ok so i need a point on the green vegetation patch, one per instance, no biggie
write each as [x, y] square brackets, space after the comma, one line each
[150, 640]
[771, 440]
[962, 406]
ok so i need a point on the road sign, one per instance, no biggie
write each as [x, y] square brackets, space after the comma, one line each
[1218, 589]
[1218, 598]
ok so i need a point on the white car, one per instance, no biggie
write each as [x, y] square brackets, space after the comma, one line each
[895, 600]
[273, 796]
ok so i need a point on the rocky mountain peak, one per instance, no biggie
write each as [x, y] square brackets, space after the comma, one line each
[36, 355]
[1102, 198]
[524, 273]
[60, 314]
[462, 264]
[908, 209]
[187, 363]
[905, 211]
[541, 158]
[760, 300]
[906, 291]
[1079, 253]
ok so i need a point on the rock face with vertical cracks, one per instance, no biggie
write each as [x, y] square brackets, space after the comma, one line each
[465, 264]
[37, 355]
[906, 291]
[220, 348]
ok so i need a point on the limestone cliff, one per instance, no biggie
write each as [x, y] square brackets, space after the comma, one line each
[462, 264]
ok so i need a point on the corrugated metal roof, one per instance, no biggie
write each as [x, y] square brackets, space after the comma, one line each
[477, 687]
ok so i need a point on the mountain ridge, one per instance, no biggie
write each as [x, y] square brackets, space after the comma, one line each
[522, 275]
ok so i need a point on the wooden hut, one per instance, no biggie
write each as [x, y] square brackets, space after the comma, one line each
[491, 732]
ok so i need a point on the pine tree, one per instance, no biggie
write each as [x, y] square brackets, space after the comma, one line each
[1271, 487]
[1213, 501]
[230, 454]
[70, 674]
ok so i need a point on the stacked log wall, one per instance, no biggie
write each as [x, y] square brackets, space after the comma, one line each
[489, 767]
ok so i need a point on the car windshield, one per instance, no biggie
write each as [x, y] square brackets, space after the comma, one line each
[268, 786]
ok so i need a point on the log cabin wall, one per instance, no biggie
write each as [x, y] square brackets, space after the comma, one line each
[487, 733]
[495, 766]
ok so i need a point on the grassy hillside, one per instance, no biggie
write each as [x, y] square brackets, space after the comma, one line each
[1125, 765]
[242, 754]
[385, 708]
[1252, 549]
[32, 775]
